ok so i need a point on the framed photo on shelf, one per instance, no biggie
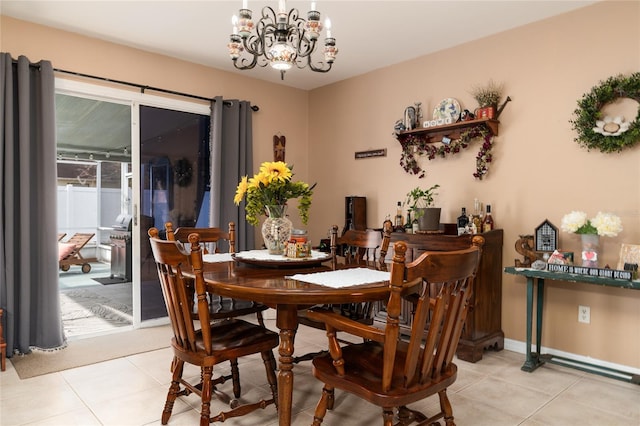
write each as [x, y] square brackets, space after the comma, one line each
[629, 257]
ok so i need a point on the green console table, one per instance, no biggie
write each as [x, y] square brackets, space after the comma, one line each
[536, 359]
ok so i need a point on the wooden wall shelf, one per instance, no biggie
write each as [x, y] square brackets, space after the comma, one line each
[453, 131]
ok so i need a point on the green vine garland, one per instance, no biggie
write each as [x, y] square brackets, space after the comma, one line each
[588, 112]
[417, 145]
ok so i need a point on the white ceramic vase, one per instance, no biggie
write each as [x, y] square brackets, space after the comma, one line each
[276, 229]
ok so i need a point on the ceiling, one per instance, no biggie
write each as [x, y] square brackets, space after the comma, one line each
[369, 34]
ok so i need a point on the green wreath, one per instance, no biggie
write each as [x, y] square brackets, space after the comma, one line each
[588, 114]
[184, 172]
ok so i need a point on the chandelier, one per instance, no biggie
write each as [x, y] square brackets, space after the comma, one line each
[281, 39]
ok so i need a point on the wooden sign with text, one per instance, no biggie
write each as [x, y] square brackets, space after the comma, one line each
[592, 272]
[371, 153]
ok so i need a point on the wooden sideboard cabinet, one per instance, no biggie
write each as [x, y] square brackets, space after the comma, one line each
[483, 327]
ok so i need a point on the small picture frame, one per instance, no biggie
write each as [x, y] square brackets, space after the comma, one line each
[546, 237]
[629, 258]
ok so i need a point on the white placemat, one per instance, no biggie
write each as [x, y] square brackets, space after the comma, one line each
[344, 277]
[217, 257]
[264, 255]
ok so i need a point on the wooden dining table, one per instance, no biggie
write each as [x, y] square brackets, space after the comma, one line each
[273, 287]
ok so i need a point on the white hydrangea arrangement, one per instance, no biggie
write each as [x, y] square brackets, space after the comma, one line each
[604, 224]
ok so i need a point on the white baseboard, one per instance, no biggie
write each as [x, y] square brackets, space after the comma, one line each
[521, 347]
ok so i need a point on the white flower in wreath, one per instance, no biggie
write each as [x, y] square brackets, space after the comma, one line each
[611, 126]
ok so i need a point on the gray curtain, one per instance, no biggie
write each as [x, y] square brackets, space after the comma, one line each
[28, 226]
[231, 159]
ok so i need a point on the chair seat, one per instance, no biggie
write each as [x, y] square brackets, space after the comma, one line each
[363, 364]
[230, 339]
[237, 337]
[224, 307]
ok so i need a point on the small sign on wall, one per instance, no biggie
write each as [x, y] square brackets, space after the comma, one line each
[371, 153]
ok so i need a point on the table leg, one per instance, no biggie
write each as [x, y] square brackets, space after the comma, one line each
[528, 362]
[533, 361]
[539, 300]
[287, 323]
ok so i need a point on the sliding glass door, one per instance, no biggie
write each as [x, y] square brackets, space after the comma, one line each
[174, 185]
[159, 149]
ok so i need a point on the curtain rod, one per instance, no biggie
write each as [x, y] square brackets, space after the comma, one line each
[143, 87]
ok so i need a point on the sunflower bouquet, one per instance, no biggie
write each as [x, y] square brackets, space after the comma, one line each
[272, 186]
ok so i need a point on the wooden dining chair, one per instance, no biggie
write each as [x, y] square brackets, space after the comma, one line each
[220, 308]
[200, 341]
[215, 240]
[393, 373]
[355, 248]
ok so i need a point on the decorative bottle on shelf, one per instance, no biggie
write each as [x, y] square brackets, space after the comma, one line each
[477, 218]
[408, 228]
[487, 223]
[463, 222]
[398, 225]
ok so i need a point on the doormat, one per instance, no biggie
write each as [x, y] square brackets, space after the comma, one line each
[108, 280]
[90, 351]
[96, 309]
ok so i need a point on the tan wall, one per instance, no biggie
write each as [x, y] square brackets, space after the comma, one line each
[539, 171]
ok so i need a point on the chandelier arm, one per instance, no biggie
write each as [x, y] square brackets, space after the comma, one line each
[268, 14]
[305, 47]
[253, 45]
[321, 67]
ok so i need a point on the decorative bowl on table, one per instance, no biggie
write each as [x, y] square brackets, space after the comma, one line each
[263, 258]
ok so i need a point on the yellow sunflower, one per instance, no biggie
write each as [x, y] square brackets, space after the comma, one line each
[276, 171]
[256, 180]
[241, 190]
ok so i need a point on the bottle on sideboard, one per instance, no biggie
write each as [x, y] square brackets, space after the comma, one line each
[487, 223]
[398, 225]
[463, 222]
[408, 228]
[477, 215]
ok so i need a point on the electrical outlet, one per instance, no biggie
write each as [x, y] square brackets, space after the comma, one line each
[584, 314]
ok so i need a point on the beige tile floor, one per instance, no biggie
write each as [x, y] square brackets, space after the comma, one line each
[493, 391]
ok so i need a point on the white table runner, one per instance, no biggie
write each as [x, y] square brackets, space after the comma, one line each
[217, 257]
[343, 277]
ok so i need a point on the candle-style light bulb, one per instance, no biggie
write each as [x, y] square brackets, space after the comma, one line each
[282, 6]
[234, 22]
[327, 25]
[244, 4]
[313, 5]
